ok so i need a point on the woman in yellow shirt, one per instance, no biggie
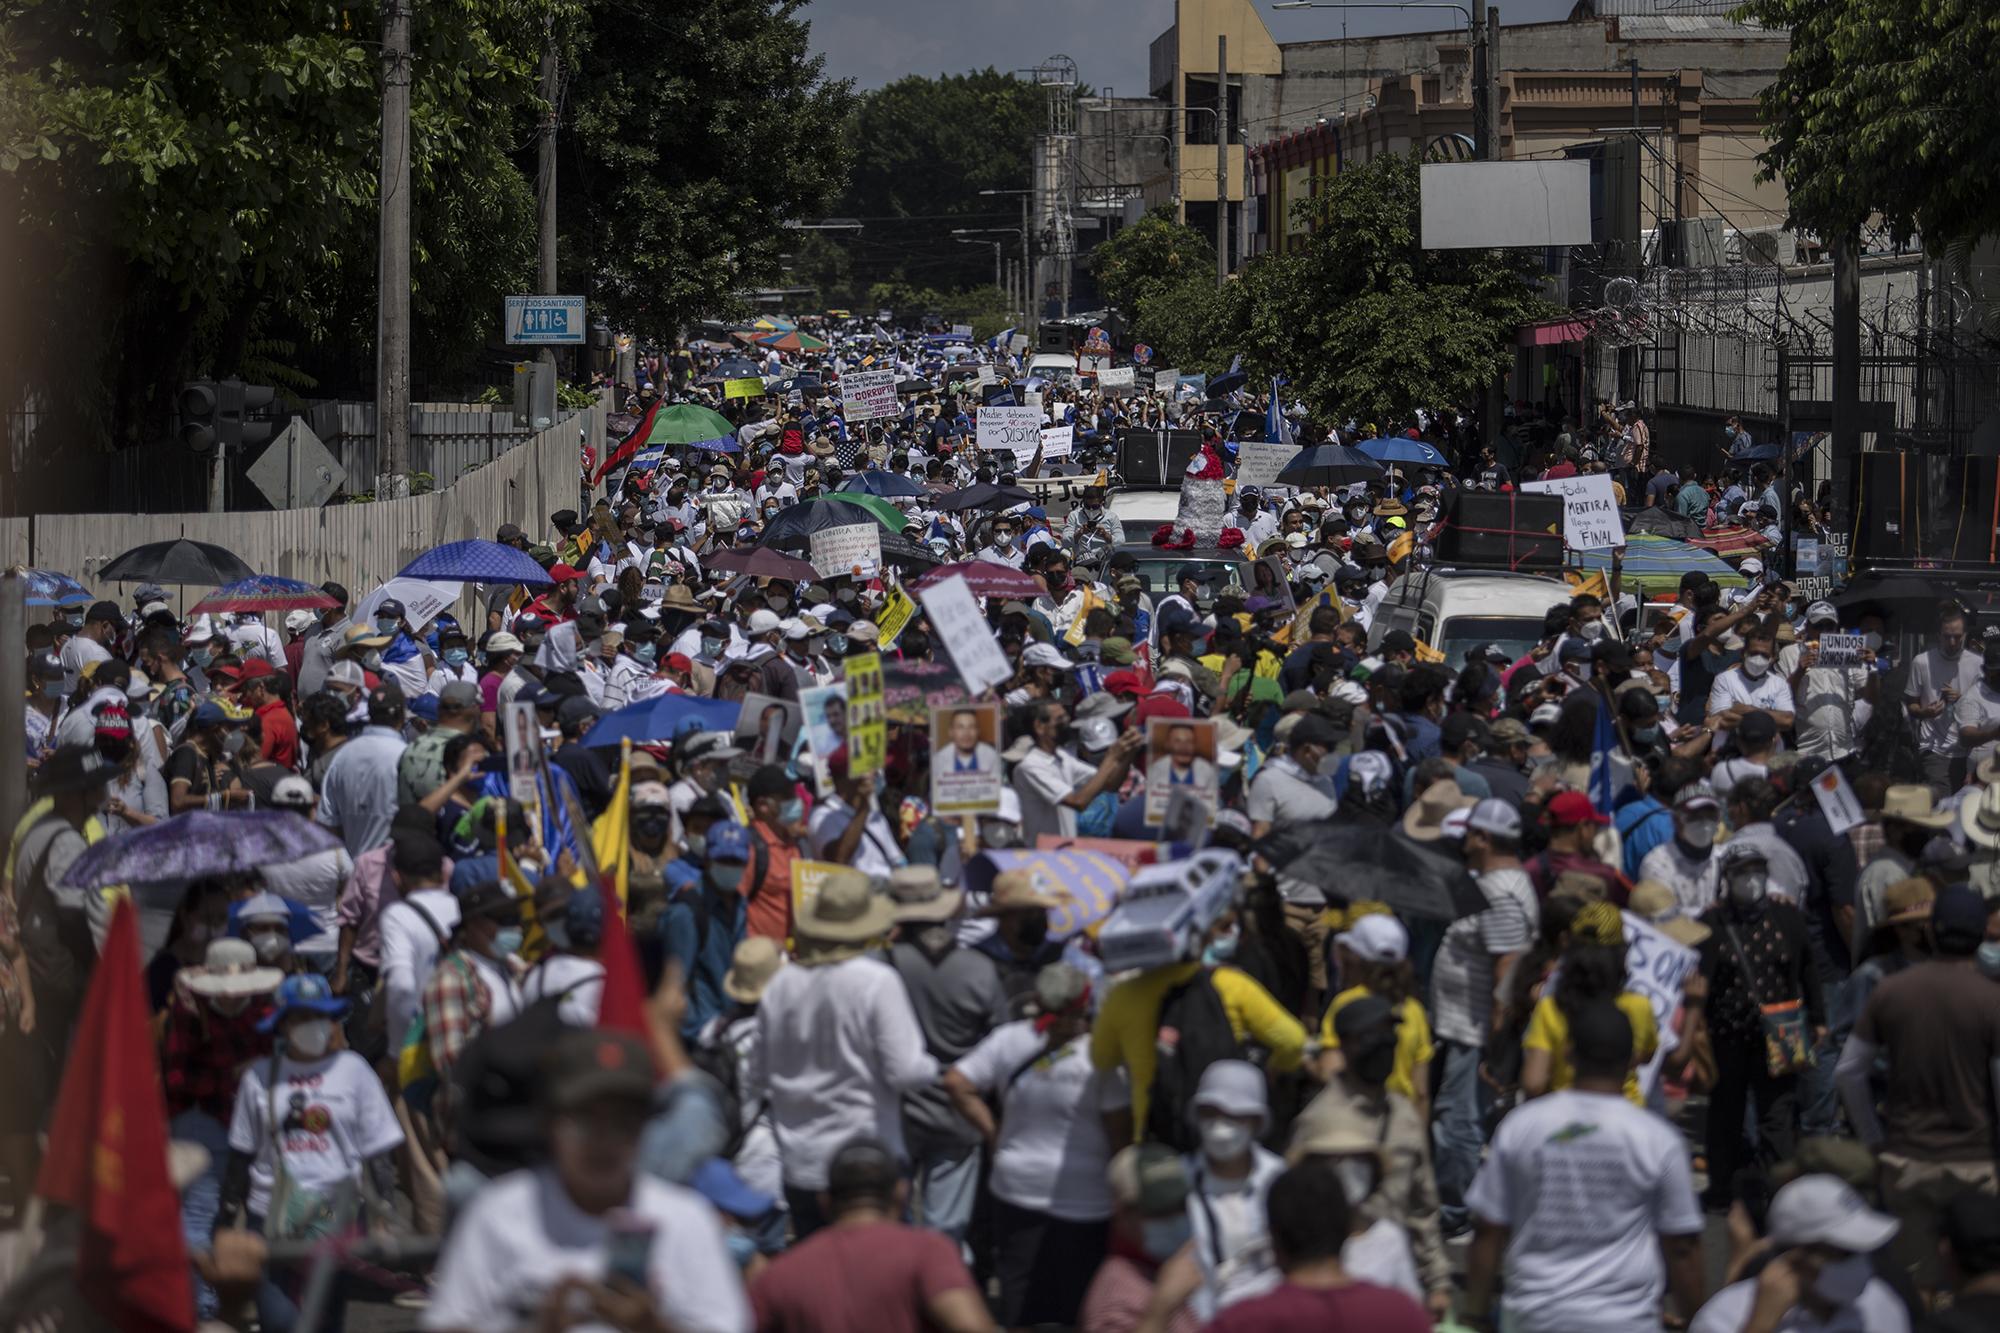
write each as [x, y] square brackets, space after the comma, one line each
[1592, 968]
[1373, 957]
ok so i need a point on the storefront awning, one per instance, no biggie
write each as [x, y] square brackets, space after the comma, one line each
[1550, 332]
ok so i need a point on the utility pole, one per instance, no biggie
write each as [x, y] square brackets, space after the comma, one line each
[545, 176]
[392, 318]
[1846, 442]
[1492, 89]
[1221, 159]
[1482, 128]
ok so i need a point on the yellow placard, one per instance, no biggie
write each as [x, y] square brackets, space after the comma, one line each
[743, 388]
[896, 612]
[807, 876]
[867, 736]
[1091, 602]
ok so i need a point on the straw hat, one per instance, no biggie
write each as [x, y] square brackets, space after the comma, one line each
[678, 598]
[1980, 819]
[1424, 820]
[846, 910]
[1655, 902]
[756, 960]
[920, 897]
[1014, 891]
[1911, 802]
[1908, 900]
[229, 970]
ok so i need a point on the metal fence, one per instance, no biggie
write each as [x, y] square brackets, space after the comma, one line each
[360, 545]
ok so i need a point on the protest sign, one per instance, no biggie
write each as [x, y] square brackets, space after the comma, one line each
[768, 725]
[1812, 588]
[896, 612]
[866, 395]
[1258, 462]
[965, 759]
[961, 330]
[957, 624]
[1166, 378]
[1656, 967]
[1180, 755]
[1808, 557]
[986, 375]
[1118, 380]
[1837, 802]
[1018, 343]
[1840, 649]
[868, 737]
[1590, 511]
[1032, 398]
[523, 734]
[748, 387]
[852, 549]
[1016, 430]
[1057, 441]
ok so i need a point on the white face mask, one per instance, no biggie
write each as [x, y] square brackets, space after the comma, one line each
[1872, 641]
[270, 946]
[1840, 1284]
[1748, 886]
[1592, 630]
[1756, 664]
[1700, 833]
[1224, 1140]
[309, 1040]
[1357, 1179]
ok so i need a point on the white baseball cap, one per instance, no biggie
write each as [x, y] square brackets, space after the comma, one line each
[1495, 816]
[293, 792]
[503, 642]
[1751, 566]
[763, 620]
[1376, 939]
[1826, 1210]
[346, 673]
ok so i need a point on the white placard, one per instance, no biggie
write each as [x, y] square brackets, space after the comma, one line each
[1590, 511]
[1258, 462]
[1032, 398]
[986, 375]
[1117, 380]
[957, 624]
[1837, 801]
[1018, 343]
[961, 330]
[854, 549]
[1057, 441]
[866, 395]
[1841, 649]
[1166, 379]
[522, 734]
[1013, 430]
[1657, 967]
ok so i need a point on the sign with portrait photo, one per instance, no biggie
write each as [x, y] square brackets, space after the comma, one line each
[1180, 757]
[767, 726]
[965, 759]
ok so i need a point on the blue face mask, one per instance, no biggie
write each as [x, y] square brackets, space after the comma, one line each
[792, 811]
[1161, 1237]
[1645, 735]
[742, 1249]
[508, 941]
[1219, 950]
[711, 647]
[386, 626]
[456, 657]
[201, 657]
[836, 645]
[1989, 960]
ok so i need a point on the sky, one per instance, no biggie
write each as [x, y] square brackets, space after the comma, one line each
[875, 42]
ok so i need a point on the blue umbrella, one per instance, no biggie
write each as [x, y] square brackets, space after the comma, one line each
[888, 485]
[663, 717]
[1402, 449]
[476, 561]
[1329, 465]
[48, 587]
[198, 845]
[722, 444]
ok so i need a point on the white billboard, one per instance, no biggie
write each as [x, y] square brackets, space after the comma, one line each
[1483, 205]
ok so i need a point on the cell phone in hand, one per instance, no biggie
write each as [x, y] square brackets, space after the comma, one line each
[629, 1248]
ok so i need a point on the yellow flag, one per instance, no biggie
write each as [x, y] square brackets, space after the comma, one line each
[1426, 653]
[1091, 602]
[611, 835]
[1594, 584]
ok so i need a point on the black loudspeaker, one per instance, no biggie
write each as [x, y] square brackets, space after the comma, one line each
[1973, 525]
[1889, 506]
[1502, 530]
[1156, 458]
[1053, 338]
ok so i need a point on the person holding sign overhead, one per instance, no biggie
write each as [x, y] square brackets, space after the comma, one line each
[1828, 691]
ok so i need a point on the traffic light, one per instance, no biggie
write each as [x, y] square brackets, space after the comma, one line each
[228, 413]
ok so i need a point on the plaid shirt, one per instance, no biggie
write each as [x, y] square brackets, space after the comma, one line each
[456, 1005]
[203, 1052]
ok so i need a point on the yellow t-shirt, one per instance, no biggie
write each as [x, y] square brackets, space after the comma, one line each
[1127, 1031]
[1413, 1039]
[1548, 1030]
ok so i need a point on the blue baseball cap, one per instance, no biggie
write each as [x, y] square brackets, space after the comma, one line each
[728, 841]
[302, 990]
[425, 706]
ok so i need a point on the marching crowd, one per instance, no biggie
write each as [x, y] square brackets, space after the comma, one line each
[1680, 1014]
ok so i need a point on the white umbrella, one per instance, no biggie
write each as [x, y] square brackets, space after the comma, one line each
[422, 600]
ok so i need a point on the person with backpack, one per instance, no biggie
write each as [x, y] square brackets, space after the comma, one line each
[1228, 1177]
[705, 920]
[568, 973]
[1214, 1009]
[1052, 1202]
[415, 930]
[727, 1047]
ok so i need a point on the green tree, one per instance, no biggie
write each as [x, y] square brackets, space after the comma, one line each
[1886, 107]
[921, 151]
[1155, 252]
[696, 131]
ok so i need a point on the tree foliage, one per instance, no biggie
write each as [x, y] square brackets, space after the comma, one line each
[1153, 253]
[1363, 321]
[1886, 107]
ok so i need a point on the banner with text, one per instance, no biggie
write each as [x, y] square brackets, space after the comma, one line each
[867, 395]
[1057, 441]
[957, 624]
[853, 549]
[1590, 511]
[1017, 430]
[1258, 462]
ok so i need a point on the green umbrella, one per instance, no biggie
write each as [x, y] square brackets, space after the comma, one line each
[688, 423]
[885, 513]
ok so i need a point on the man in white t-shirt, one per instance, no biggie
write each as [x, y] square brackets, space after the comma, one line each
[85, 646]
[1054, 784]
[1581, 1193]
[416, 926]
[1828, 696]
[1978, 711]
[1939, 677]
[1822, 1238]
[1472, 966]
[1752, 685]
[537, 1248]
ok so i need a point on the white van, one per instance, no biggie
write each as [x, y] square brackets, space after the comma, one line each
[1059, 367]
[1453, 610]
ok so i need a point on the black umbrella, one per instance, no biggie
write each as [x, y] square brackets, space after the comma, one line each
[984, 495]
[1663, 523]
[1369, 862]
[900, 551]
[177, 561]
[914, 386]
[1329, 465]
[1904, 598]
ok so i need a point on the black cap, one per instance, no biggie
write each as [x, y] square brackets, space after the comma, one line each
[1365, 1024]
[595, 1064]
[1459, 728]
[510, 532]
[385, 704]
[489, 900]
[335, 591]
[73, 768]
[1758, 728]
[1959, 914]
[1601, 1036]
[104, 611]
[575, 710]
[1313, 729]
[770, 780]
[1398, 641]
[565, 522]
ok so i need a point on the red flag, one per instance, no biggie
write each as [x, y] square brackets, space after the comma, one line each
[107, 1156]
[630, 444]
[622, 1004]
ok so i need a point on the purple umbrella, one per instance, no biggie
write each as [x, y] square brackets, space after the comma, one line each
[198, 845]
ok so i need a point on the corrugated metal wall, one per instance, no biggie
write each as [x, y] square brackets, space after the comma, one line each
[361, 545]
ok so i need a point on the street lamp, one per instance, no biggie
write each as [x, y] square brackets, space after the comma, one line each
[1027, 258]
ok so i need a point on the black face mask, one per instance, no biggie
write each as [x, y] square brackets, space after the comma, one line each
[1373, 1066]
[1030, 931]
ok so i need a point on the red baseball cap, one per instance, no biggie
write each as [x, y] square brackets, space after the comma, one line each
[679, 662]
[1567, 808]
[564, 573]
[1158, 705]
[1123, 682]
[256, 666]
